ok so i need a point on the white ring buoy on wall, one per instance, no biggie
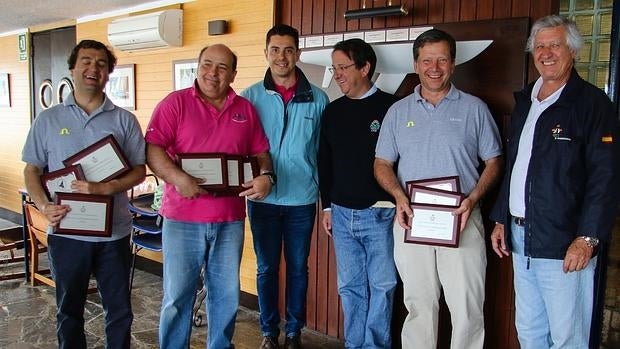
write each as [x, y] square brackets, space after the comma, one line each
[65, 87]
[46, 85]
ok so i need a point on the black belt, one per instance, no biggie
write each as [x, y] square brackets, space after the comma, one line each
[520, 221]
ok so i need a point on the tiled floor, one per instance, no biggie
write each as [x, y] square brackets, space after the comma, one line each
[27, 318]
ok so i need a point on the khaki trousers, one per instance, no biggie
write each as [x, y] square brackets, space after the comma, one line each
[459, 271]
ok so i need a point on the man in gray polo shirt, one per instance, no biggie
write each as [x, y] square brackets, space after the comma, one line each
[85, 117]
[440, 131]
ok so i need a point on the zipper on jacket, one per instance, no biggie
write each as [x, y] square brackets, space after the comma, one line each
[528, 227]
[284, 123]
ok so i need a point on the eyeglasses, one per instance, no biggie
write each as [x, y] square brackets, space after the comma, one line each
[340, 69]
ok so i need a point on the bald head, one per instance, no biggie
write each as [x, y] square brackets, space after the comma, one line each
[224, 48]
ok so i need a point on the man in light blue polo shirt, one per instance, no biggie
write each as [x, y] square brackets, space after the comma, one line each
[85, 117]
[439, 131]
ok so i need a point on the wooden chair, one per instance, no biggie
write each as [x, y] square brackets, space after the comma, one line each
[37, 231]
[10, 241]
[37, 236]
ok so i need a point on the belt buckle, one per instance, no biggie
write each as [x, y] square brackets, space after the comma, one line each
[520, 221]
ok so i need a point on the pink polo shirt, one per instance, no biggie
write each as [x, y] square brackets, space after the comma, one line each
[184, 123]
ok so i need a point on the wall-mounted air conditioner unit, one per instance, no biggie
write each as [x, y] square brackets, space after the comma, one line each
[148, 31]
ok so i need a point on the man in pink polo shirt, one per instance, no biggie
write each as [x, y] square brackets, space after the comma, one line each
[200, 228]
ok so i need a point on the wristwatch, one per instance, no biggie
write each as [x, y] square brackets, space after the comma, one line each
[590, 241]
[272, 176]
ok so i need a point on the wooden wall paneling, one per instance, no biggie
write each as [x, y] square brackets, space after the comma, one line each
[468, 10]
[420, 12]
[329, 16]
[323, 286]
[501, 9]
[340, 22]
[406, 21]
[483, 76]
[282, 284]
[378, 22]
[318, 19]
[352, 25]
[283, 10]
[435, 11]
[451, 10]
[484, 9]
[334, 319]
[521, 8]
[312, 307]
[306, 18]
[394, 21]
[540, 9]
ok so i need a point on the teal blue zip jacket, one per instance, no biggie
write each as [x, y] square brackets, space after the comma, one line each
[293, 133]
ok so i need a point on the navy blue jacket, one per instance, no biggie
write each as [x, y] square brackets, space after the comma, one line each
[571, 186]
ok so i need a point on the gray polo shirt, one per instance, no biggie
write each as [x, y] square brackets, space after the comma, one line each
[65, 129]
[437, 141]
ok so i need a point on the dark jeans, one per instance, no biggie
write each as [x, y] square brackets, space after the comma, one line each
[72, 263]
[275, 226]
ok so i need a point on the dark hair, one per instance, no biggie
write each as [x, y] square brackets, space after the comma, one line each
[283, 30]
[234, 56]
[86, 44]
[434, 36]
[360, 52]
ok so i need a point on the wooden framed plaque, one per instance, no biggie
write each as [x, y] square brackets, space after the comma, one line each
[90, 215]
[59, 181]
[251, 169]
[434, 225]
[212, 168]
[427, 195]
[450, 183]
[101, 161]
[235, 173]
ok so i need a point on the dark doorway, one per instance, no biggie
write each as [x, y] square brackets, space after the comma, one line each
[51, 80]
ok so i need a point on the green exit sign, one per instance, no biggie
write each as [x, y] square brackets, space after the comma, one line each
[22, 46]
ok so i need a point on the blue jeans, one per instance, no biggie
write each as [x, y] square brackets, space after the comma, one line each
[186, 248]
[364, 246]
[274, 226]
[553, 308]
[72, 262]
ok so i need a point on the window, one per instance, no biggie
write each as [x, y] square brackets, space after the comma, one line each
[593, 18]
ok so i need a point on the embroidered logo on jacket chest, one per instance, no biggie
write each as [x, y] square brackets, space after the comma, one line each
[375, 125]
[558, 133]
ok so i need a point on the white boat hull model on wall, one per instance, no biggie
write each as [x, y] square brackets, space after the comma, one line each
[394, 60]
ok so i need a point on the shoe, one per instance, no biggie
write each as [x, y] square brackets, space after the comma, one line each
[293, 342]
[269, 342]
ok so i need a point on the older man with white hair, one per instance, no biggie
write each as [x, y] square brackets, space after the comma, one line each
[559, 197]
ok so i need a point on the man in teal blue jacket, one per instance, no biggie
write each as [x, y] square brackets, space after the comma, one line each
[290, 109]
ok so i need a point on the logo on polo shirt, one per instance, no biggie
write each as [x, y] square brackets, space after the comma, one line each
[239, 118]
[410, 124]
[64, 131]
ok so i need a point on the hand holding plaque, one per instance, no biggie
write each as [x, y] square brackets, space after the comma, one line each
[212, 168]
[60, 181]
[222, 174]
[433, 222]
[89, 215]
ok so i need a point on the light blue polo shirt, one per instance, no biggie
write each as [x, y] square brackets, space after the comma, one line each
[66, 129]
[438, 141]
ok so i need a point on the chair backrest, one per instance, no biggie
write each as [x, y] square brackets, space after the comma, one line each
[147, 186]
[37, 223]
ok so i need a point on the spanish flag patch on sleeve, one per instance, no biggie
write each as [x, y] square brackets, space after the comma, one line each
[607, 139]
